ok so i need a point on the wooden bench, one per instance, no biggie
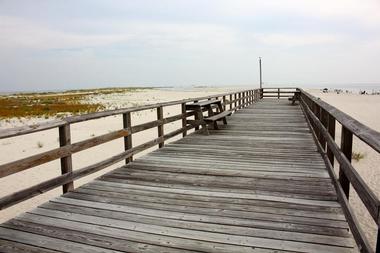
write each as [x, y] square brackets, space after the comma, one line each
[216, 117]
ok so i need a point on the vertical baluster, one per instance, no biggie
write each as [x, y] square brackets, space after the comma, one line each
[278, 93]
[224, 103]
[235, 101]
[331, 129]
[316, 111]
[196, 117]
[184, 123]
[160, 127]
[346, 147]
[239, 100]
[324, 119]
[66, 162]
[127, 124]
[231, 102]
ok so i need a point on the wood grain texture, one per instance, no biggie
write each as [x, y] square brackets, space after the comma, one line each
[257, 184]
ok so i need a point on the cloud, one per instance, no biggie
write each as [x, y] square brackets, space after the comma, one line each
[294, 40]
[364, 12]
[21, 33]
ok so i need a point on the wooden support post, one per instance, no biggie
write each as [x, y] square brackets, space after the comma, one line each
[239, 100]
[127, 124]
[346, 147]
[331, 129]
[261, 93]
[235, 95]
[196, 117]
[324, 119]
[231, 102]
[66, 162]
[160, 127]
[184, 123]
[278, 93]
[316, 111]
[224, 103]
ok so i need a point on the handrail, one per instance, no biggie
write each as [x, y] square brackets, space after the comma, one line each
[235, 101]
[366, 134]
[322, 118]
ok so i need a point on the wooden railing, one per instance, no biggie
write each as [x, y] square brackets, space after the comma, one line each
[322, 117]
[230, 101]
[278, 92]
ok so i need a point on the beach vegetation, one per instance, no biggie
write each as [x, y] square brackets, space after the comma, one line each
[357, 156]
[56, 104]
[44, 105]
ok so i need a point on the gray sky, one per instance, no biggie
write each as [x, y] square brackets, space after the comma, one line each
[46, 45]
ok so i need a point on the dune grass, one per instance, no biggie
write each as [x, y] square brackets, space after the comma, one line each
[44, 105]
[47, 104]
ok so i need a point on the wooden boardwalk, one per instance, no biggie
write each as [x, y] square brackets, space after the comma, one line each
[256, 185]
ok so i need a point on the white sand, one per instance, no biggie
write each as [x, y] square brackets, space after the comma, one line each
[362, 107]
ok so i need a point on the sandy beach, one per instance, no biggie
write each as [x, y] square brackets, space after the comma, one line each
[362, 107]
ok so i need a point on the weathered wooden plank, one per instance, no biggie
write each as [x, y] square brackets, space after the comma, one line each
[11, 246]
[197, 235]
[49, 242]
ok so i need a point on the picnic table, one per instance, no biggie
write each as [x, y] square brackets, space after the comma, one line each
[209, 105]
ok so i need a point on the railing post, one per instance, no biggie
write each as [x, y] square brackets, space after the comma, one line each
[196, 117]
[66, 162]
[231, 102]
[324, 119]
[184, 123]
[224, 103]
[239, 100]
[331, 129]
[160, 127]
[346, 147]
[261, 93]
[316, 111]
[278, 93]
[127, 124]
[235, 95]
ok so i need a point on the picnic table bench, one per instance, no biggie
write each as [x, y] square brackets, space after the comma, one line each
[209, 105]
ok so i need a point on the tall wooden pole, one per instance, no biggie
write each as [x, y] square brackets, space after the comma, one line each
[261, 75]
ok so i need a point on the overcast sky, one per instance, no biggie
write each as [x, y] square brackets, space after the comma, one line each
[47, 45]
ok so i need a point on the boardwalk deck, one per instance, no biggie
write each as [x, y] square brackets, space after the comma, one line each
[256, 185]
